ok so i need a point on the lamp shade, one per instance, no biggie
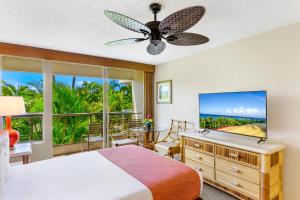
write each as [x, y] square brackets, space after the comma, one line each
[11, 105]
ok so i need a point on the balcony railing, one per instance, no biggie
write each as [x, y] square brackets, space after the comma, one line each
[29, 126]
[68, 128]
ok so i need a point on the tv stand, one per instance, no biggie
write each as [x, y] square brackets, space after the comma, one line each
[261, 140]
[238, 166]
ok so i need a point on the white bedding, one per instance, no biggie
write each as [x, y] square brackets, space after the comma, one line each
[84, 176]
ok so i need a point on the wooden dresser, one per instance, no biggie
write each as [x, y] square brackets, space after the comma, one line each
[242, 168]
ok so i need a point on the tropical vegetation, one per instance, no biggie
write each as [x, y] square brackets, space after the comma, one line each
[222, 122]
[85, 98]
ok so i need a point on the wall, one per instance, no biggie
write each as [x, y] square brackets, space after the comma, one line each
[1, 118]
[138, 93]
[267, 61]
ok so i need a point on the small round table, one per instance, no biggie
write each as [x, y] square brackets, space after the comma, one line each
[147, 136]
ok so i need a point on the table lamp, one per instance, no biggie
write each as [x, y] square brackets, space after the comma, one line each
[11, 106]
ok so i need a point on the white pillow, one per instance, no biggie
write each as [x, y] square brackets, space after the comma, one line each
[6, 155]
[4, 162]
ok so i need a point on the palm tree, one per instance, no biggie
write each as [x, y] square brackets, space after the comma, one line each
[73, 83]
[66, 99]
[37, 86]
[17, 90]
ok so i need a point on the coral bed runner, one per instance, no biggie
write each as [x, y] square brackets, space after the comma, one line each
[166, 178]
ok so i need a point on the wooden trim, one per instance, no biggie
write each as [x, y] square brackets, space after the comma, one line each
[149, 93]
[241, 156]
[182, 150]
[265, 186]
[53, 55]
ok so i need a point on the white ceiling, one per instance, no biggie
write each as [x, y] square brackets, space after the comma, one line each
[80, 25]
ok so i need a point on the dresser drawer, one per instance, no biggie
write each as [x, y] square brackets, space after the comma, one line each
[199, 145]
[245, 157]
[248, 188]
[207, 172]
[199, 157]
[240, 171]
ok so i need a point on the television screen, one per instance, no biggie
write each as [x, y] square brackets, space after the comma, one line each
[243, 113]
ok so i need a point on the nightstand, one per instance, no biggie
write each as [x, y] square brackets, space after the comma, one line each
[21, 150]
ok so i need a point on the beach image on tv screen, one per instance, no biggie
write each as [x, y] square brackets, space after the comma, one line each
[241, 113]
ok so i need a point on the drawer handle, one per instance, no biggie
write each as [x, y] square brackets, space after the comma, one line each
[234, 183]
[199, 169]
[197, 145]
[236, 170]
[198, 157]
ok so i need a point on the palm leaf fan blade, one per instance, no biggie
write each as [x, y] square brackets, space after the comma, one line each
[187, 39]
[181, 20]
[125, 41]
[127, 22]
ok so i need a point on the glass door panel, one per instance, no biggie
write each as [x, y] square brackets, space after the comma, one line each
[24, 77]
[77, 108]
[125, 101]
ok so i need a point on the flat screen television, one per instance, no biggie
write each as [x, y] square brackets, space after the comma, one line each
[243, 113]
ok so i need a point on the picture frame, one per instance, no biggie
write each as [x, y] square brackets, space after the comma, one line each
[164, 92]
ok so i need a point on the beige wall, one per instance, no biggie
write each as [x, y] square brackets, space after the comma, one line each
[268, 61]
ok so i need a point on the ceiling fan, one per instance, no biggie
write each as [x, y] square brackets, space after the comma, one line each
[170, 29]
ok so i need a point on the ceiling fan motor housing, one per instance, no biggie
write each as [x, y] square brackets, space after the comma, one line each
[155, 35]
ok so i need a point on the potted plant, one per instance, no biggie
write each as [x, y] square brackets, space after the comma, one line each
[148, 122]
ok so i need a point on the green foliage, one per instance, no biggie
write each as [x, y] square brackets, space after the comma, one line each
[33, 103]
[88, 98]
[120, 97]
[221, 122]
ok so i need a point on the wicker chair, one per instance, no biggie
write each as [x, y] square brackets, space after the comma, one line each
[95, 134]
[136, 128]
[136, 124]
[170, 143]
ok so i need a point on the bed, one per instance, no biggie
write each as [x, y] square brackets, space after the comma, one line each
[125, 173]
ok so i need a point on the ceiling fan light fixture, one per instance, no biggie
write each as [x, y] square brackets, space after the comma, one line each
[155, 42]
[157, 48]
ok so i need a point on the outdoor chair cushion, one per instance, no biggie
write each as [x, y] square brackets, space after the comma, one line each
[94, 139]
[123, 142]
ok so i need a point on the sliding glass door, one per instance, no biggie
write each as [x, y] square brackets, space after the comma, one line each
[90, 103]
[71, 107]
[78, 92]
[125, 101]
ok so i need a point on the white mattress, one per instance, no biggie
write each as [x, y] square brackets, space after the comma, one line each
[84, 176]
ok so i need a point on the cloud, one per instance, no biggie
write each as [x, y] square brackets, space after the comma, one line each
[229, 111]
[79, 83]
[241, 111]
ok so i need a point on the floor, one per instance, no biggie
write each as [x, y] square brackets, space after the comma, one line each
[211, 193]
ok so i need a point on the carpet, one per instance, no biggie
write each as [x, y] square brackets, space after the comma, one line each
[212, 193]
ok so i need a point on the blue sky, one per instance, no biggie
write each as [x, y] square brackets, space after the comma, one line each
[244, 104]
[23, 78]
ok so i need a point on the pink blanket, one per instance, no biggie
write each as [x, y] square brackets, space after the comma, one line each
[166, 178]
